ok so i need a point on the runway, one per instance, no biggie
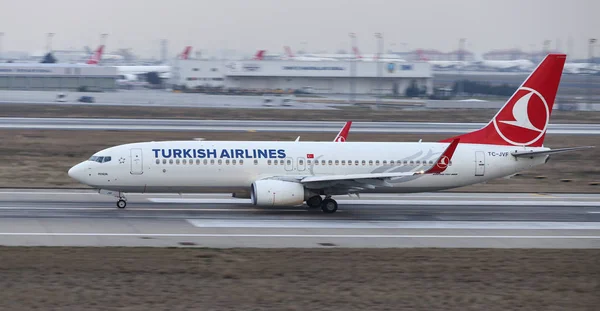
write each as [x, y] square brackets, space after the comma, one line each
[265, 126]
[85, 218]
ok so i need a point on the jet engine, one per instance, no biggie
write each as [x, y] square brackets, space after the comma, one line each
[277, 193]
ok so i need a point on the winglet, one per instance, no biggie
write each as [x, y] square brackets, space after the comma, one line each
[342, 136]
[444, 160]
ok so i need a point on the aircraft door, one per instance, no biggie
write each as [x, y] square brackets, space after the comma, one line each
[289, 164]
[137, 164]
[479, 163]
[301, 164]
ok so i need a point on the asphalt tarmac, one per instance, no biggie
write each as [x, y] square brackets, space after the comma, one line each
[85, 218]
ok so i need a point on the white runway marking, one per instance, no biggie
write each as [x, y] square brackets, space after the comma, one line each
[343, 236]
[346, 224]
[393, 202]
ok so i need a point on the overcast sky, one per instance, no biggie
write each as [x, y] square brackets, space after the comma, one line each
[248, 25]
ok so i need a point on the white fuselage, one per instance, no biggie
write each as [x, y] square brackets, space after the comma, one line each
[204, 166]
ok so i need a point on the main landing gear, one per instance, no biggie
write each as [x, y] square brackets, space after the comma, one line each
[327, 205]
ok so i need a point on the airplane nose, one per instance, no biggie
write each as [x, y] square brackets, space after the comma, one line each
[76, 172]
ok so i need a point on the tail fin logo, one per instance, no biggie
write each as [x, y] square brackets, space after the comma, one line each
[340, 139]
[443, 162]
[524, 119]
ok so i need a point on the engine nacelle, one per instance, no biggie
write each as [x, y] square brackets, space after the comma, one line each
[277, 193]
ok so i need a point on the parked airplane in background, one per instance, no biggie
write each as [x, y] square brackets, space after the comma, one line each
[504, 65]
[289, 55]
[443, 64]
[290, 173]
[133, 75]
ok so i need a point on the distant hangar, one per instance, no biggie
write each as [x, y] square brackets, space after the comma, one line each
[51, 77]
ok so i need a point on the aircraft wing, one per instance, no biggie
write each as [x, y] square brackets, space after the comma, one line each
[329, 180]
[520, 154]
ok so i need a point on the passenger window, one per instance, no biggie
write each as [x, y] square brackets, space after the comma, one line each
[164, 161]
[316, 162]
[309, 162]
[212, 162]
[330, 162]
[322, 162]
[337, 162]
[255, 162]
[157, 161]
[412, 163]
[220, 161]
[184, 161]
[391, 162]
[418, 162]
[275, 162]
[198, 162]
[364, 162]
[349, 162]
[205, 162]
[356, 162]
[269, 162]
[170, 161]
[233, 162]
[301, 162]
[227, 162]
[405, 162]
[343, 162]
[241, 162]
[370, 162]
[377, 162]
[384, 162]
[177, 161]
[430, 162]
[289, 162]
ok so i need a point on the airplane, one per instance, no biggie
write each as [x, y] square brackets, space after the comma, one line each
[504, 65]
[443, 64]
[293, 173]
[289, 55]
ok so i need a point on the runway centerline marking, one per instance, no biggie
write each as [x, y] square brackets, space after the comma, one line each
[393, 202]
[353, 224]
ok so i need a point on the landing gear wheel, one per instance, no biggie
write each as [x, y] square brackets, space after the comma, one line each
[314, 202]
[121, 203]
[329, 206]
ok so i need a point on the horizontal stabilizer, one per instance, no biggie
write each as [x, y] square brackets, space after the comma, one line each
[519, 154]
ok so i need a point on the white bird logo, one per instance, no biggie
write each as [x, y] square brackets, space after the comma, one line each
[521, 116]
[443, 162]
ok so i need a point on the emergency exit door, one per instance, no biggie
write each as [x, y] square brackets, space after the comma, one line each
[479, 163]
[137, 163]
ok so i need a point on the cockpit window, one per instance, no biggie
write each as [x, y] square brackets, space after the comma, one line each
[100, 159]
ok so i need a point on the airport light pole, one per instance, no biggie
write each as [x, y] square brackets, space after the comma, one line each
[351, 98]
[379, 36]
[103, 38]
[1, 51]
[49, 42]
[461, 57]
[591, 43]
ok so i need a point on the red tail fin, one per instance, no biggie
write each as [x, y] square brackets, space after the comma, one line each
[356, 52]
[288, 51]
[259, 55]
[96, 57]
[523, 120]
[342, 136]
[186, 53]
[421, 55]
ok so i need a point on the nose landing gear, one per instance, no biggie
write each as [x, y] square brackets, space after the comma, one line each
[121, 203]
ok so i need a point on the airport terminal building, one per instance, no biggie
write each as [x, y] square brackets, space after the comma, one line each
[319, 77]
[57, 77]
